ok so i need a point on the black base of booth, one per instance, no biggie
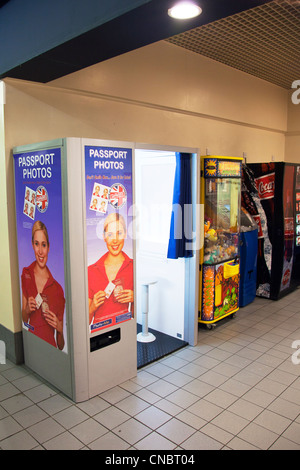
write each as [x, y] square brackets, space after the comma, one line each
[162, 346]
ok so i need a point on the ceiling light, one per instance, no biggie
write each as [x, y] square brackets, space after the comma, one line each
[184, 10]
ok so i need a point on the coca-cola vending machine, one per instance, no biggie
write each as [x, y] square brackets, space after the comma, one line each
[296, 263]
[268, 193]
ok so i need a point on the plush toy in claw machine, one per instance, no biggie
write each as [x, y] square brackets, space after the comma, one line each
[218, 244]
[210, 243]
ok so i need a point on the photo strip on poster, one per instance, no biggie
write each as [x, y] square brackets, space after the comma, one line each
[40, 240]
[108, 182]
[99, 198]
[29, 203]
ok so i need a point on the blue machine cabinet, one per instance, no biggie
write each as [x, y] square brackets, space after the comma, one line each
[248, 266]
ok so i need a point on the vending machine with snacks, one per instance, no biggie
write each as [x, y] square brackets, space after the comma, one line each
[76, 262]
[219, 257]
[271, 193]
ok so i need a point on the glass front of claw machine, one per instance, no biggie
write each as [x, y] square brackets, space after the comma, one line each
[219, 279]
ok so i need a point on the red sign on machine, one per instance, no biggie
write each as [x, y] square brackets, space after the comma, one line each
[258, 222]
[266, 186]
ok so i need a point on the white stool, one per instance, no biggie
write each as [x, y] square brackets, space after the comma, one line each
[145, 336]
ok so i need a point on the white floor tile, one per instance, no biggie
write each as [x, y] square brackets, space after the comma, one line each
[132, 431]
[258, 436]
[155, 441]
[64, 441]
[176, 431]
[236, 389]
[19, 441]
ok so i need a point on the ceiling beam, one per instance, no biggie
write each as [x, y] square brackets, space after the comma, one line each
[143, 22]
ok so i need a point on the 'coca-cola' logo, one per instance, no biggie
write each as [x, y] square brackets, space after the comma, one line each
[286, 277]
[266, 186]
[288, 227]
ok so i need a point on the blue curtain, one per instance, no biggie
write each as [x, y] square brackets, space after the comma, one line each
[181, 219]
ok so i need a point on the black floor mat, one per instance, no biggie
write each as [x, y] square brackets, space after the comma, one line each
[163, 345]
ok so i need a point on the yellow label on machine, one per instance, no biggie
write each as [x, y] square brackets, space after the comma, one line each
[218, 295]
[231, 269]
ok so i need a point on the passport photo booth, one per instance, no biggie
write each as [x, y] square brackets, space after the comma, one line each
[76, 255]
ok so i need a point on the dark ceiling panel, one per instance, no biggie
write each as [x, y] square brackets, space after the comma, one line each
[144, 25]
[263, 41]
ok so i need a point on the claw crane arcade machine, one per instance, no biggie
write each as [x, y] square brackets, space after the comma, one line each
[219, 257]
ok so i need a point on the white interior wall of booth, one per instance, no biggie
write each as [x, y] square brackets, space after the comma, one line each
[157, 95]
[154, 176]
[173, 299]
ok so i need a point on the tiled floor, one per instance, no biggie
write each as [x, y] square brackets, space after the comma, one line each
[237, 389]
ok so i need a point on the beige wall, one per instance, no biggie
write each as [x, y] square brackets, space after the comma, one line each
[205, 104]
[6, 317]
[292, 146]
[160, 94]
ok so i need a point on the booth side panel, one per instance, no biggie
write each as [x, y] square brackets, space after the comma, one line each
[77, 274]
[48, 362]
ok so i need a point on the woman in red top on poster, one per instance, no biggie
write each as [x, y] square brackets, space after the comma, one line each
[114, 266]
[43, 299]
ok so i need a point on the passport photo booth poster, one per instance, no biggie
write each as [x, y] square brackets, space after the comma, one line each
[39, 206]
[108, 191]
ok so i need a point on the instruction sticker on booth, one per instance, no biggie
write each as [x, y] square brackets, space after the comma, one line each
[108, 185]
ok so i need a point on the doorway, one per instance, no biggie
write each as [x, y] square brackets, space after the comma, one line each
[171, 310]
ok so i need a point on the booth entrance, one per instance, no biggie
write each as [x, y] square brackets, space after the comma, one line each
[164, 287]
